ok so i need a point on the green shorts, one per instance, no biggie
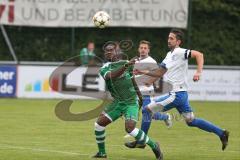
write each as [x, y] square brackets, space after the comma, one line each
[128, 109]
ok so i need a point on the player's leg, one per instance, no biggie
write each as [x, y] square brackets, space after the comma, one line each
[161, 104]
[166, 117]
[207, 126]
[110, 114]
[131, 117]
[185, 109]
[146, 116]
[99, 127]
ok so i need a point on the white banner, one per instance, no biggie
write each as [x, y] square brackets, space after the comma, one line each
[79, 13]
[215, 85]
[33, 82]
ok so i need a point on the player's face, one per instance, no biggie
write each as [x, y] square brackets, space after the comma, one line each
[173, 42]
[110, 52]
[143, 50]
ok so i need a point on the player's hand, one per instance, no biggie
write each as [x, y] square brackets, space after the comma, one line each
[196, 76]
[133, 60]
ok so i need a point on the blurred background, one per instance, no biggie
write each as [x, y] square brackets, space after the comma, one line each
[37, 36]
[213, 28]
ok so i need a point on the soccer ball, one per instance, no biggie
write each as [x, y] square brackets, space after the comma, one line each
[101, 19]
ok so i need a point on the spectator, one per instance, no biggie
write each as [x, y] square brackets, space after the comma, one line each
[87, 54]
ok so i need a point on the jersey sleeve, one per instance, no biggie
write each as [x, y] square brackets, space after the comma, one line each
[104, 71]
[184, 53]
[187, 54]
[166, 64]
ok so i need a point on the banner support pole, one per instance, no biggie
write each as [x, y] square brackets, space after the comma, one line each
[6, 38]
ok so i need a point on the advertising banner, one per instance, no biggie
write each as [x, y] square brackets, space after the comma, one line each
[79, 13]
[215, 85]
[34, 82]
[8, 81]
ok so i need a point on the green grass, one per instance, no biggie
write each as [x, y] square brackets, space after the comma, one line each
[29, 130]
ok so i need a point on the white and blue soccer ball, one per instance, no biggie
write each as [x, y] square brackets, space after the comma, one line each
[101, 19]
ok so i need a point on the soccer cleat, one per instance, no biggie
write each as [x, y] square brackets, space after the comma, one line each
[168, 121]
[157, 152]
[100, 155]
[224, 139]
[135, 144]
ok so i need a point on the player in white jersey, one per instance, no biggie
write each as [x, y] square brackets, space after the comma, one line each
[174, 68]
[145, 85]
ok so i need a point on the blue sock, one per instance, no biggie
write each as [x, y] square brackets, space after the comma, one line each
[146, 116]
[206, 126]
[146, 121]
[160, 116]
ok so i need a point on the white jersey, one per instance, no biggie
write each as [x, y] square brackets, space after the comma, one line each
[145, 64]
[176, 63]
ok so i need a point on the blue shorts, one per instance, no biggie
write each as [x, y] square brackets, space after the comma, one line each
[178, 100]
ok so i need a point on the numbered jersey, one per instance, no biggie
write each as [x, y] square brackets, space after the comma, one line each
[121, 88]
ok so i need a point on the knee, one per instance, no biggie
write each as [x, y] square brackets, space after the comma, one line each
[98, 127]
[129, 127]
[188, 117]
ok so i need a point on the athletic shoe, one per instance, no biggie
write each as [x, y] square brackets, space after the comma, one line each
[224, 139]
[100, 155]
[135, 144]
[168, 121]
[157, 152]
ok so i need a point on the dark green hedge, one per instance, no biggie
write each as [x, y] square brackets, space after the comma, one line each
[215, 32]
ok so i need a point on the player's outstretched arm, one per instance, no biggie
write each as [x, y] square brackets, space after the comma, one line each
[200, 60]
[153, 73]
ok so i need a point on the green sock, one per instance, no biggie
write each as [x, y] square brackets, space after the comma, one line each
[100, 139]
[143, 138]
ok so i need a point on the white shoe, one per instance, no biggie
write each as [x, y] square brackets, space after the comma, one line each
[127, 136]
[168, 121]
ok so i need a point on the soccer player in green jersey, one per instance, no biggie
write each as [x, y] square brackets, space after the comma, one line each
[117, 74]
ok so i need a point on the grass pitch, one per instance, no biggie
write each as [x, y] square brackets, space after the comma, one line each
[29, 130]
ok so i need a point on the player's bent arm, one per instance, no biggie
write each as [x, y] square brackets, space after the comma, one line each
[156, 72]
[120, 71]
[199, 59]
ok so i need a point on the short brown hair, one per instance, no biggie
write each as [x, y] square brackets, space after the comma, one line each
[145, 42]
[179, 34]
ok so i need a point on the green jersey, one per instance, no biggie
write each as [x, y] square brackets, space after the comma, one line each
[86, 56]
[121, 88]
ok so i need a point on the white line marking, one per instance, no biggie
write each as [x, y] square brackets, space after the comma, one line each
[53, 151]
[41, 150]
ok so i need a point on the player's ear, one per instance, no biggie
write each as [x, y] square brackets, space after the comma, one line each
[179, 42]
